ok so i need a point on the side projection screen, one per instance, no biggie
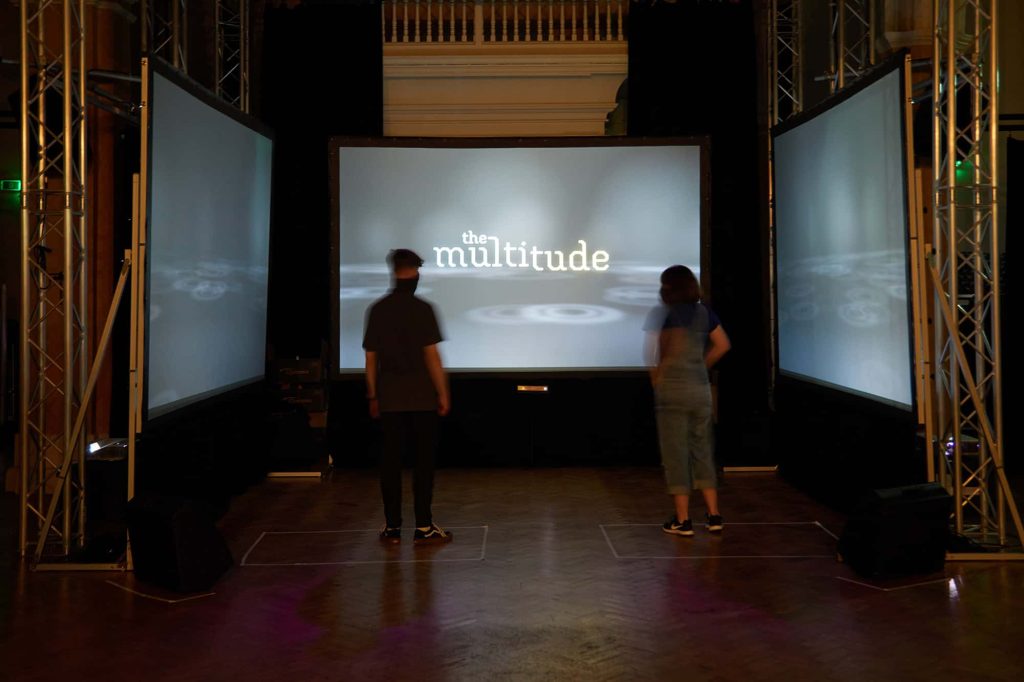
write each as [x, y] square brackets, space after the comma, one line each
[208, 249]
[841, 229]
[537, 257]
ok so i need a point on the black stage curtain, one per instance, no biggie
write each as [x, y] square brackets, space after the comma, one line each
[693, 71]
[322, 72]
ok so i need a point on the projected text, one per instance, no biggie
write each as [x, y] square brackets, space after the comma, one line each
[488, 251]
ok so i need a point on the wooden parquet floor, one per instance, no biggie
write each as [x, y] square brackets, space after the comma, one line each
[554, 574]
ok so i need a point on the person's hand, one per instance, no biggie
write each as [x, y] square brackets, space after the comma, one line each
[443, 406]
[374, 408]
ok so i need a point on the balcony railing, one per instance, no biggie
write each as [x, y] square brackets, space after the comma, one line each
[482, 22]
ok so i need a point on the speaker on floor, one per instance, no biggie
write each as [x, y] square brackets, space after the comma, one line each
[175, 542]
[895, 532]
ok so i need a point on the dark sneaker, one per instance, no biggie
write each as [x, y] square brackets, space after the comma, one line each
[389, 534]
[433, 534]
[674, 527]
[715, 523]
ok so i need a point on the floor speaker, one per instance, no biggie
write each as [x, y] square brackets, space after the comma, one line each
[175, 543]
[896, 532]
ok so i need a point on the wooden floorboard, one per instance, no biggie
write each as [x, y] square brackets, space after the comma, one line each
[554, 574]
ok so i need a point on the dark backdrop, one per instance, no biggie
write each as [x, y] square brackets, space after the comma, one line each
[322, 75]
[693, 71]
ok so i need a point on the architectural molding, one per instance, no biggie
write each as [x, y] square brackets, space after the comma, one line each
[536, 90]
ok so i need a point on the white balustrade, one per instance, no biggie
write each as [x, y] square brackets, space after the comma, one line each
[482, 22]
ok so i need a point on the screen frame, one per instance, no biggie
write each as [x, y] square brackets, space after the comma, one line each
[900, 63]
[523, 375]
[151, 65]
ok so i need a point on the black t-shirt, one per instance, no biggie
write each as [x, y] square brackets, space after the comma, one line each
[398, 328]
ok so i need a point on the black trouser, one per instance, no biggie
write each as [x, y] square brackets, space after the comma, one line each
[403, 430]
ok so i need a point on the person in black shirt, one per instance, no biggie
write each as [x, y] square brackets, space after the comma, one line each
[407, 389]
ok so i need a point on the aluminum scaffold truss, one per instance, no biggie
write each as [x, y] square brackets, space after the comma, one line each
[965, 424]
[53, 277]
[785, 99]
[785, 45]
[165, 31]
[232, 42]
[851, 41]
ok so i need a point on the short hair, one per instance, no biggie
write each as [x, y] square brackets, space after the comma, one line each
[679, 285]
[400, 259]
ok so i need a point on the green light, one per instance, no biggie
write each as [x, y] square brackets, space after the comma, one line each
[964, 172]
[10, 185]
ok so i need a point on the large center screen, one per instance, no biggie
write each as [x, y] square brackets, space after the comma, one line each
[536, 258]
[841, 230]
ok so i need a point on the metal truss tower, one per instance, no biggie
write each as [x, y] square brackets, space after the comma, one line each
[852, 40]
[165, 31]
[786, 78]
[53, 276]
[232, 42]
[965, 425]
[786, 68]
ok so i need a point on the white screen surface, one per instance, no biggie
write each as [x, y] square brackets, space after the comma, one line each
[841, 250]
[573, 242]
[208, 250]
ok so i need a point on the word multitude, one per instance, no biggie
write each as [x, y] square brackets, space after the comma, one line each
[488, 251]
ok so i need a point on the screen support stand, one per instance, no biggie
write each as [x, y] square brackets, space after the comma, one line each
[65, 467]
[987, 432]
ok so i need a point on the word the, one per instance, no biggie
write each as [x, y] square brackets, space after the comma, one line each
[486, 251]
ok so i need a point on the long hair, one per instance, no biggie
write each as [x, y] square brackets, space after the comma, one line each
[679, 285]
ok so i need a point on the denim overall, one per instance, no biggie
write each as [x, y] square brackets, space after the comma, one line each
[682, 403]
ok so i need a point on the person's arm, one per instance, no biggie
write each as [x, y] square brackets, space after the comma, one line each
[437, 375]
[371, 383]
[718, 345]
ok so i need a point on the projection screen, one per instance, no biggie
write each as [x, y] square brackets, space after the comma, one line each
[544, 256]
[841, 245]
[208, 247]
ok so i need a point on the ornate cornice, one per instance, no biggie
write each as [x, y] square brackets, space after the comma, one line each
[505, 65]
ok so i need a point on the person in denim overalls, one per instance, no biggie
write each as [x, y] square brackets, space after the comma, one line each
[684, 339]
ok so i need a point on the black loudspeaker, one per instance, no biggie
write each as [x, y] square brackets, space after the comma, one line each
[895, 532]
[175, 543]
